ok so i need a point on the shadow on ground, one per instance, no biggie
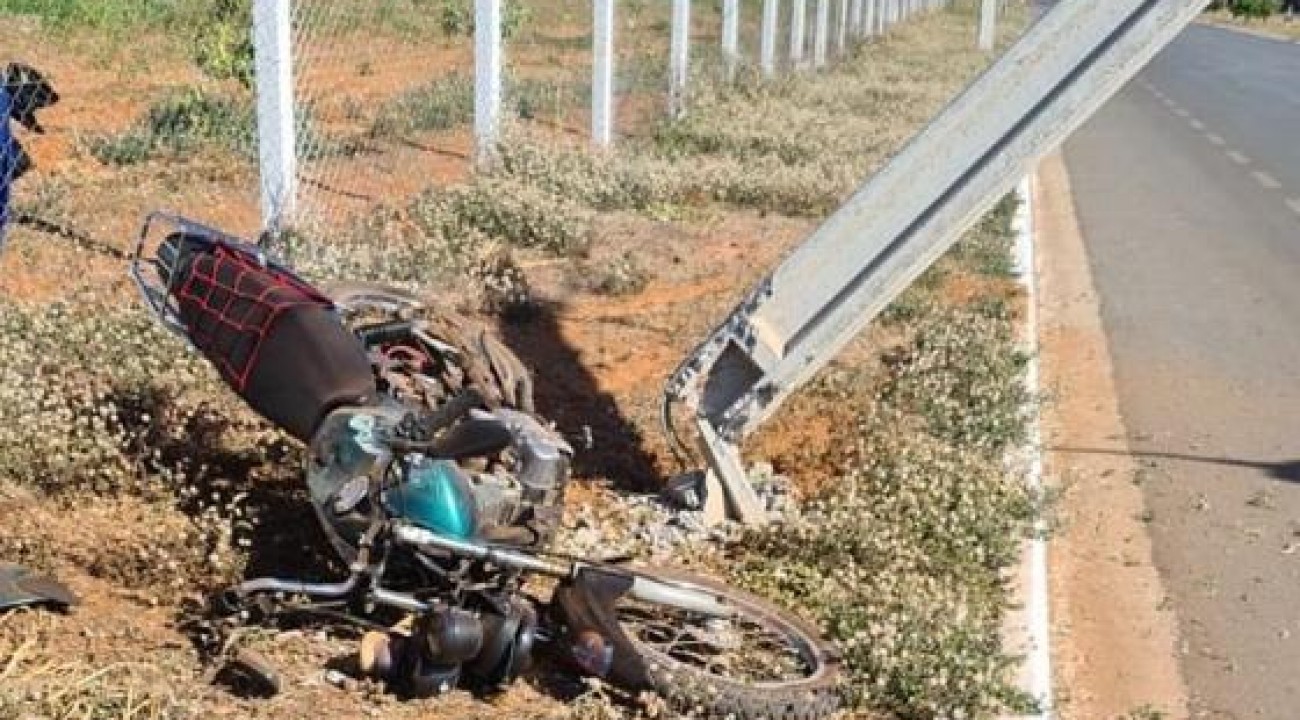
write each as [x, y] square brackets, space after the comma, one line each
[569, 394]
[1284, 471]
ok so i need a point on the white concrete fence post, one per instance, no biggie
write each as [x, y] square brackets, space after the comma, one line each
[855, 18]
[798, 23]
[870, 17]
[988, 24]
[277, 137]
[602, 73]
[821, 35]
[487, 80]
[679, 63]
[767, 38]
[842, 28]
[731, 36]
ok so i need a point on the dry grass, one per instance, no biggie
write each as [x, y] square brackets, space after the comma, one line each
[34, 683]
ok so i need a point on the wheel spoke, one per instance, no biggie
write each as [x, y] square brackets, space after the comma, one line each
[743, 648]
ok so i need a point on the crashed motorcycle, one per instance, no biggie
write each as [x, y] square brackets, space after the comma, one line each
[440, 489]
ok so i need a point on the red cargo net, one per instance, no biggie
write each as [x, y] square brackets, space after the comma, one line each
[229, 303]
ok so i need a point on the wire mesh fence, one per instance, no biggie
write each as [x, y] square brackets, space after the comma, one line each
[24, 93]
[384, 94]
[381, 97]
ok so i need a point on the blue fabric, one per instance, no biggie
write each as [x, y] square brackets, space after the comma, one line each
[8, 161]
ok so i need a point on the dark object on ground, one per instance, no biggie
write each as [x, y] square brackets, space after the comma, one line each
[250, 674]
[20, 587]
[24, 91]
[29, 92]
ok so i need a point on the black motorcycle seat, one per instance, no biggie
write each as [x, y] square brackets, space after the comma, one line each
[275, 341]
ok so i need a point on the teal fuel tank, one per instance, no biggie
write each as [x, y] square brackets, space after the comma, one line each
[436, 495]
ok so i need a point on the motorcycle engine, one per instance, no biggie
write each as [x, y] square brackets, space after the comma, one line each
[509, 495]
[450, 445]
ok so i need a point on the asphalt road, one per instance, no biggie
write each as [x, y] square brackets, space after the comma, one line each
[1188, 192]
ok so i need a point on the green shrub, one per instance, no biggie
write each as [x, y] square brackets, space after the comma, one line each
[517, 214]
[448, 102]
[632, 179]
[987, 248]
[441, 104]
[100, 14]
[129, 148]
[456, 17]
[533, 99]
[384, 246]
[623, 275]
[178, 124]
[1254, 9]
[223, 41]
[194, 116]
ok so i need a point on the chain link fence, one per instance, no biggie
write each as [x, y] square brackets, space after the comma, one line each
[384, 95]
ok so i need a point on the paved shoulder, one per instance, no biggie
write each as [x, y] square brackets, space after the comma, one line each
[1188, 191]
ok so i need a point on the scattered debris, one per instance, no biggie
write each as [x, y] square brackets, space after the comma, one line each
[655, 527]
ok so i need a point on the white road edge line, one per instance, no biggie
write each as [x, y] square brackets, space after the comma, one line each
[1038, 658]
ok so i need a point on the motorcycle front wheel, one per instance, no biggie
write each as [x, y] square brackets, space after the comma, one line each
[726, 652]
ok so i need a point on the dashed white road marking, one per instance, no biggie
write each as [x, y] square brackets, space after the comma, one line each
[1294, 204]
[1196, 124]
[1216, 139]
[1180, 112]
[1238, 157]
[1267, 180]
